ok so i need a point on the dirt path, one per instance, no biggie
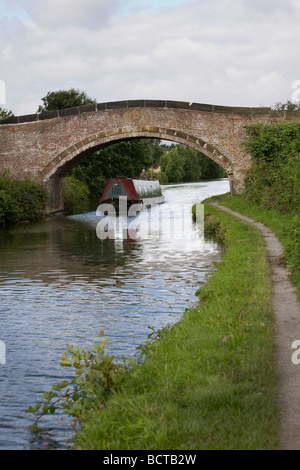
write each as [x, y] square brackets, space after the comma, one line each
[287, 324]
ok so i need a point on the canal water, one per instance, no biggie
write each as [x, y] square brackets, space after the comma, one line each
[60, 284]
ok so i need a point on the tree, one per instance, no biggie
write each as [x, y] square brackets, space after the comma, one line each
[64, 99]
[156, 151]
[4, 113]
[172, 164]
[124, 159]
[288, 106]
[273, 180]
[183, 163]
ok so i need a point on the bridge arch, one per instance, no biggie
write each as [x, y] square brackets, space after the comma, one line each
[61, 164]
[66, 160]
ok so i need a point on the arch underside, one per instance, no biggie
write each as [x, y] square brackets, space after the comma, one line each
[71, 156]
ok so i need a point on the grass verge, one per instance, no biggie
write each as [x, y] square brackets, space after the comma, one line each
[285, 226]
[210, 381]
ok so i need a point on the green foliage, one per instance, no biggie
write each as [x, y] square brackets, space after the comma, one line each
[64, 99]
[128, 158]
[172, 165]
[4, 113]
[74, 192]
[125, 159]
[20, 200]
[96, 375]
[214, 229]
[187, 164]
[273, 143]
[288, 106]
[273, 181]
[161, 176]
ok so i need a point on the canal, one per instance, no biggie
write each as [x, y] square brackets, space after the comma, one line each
[61, 284]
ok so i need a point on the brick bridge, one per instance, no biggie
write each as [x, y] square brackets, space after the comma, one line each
[45, 147]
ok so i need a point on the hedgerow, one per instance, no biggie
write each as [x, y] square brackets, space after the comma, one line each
[20, 200]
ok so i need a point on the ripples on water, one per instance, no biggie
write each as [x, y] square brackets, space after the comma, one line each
[59, 284]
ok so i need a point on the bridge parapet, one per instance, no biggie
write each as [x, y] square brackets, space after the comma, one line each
[207, 108]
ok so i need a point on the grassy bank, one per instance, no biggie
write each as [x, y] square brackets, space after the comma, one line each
[209, 382]
[285, 225]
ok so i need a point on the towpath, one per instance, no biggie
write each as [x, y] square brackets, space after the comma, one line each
[286, 310]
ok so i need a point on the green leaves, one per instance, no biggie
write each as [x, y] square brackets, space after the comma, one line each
[33, 409]
[64, 99]
[96, 374]
[20, 200]
[75, 192]
[4, 113]
[125, 159]
[273, 180]
[273, 143]
[187, 164]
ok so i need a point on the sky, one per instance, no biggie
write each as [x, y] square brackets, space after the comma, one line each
[222, 52]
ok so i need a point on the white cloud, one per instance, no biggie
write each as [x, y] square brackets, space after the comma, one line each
[230, 52]
[62, 13]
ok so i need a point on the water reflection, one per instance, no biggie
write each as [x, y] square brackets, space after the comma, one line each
[59, 284]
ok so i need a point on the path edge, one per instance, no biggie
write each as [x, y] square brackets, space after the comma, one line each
[286, 310]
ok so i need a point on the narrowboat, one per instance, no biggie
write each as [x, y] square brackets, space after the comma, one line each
[137, 191]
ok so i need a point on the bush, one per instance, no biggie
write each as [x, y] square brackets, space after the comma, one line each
[97, 375]
[213, 229]
[20, 200]
[74, 192]
[162, 177]
[273, 181]
[7, 208]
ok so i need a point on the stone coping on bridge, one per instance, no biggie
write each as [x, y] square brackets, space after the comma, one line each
[209, 108]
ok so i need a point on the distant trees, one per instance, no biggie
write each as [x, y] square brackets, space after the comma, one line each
[175, 163]
[288, 106]
[125, 159]
[183, 163]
